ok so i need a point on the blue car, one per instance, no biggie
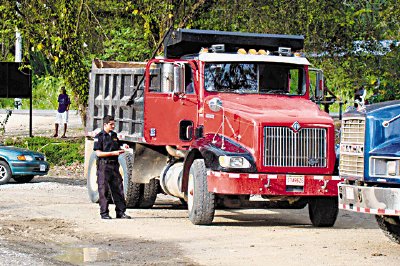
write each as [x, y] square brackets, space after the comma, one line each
[21, 164]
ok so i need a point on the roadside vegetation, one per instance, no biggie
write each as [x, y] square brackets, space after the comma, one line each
[58, 151]
[61, 38]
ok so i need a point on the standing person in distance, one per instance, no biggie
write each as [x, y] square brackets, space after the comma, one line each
[107, 148]
[62, 112]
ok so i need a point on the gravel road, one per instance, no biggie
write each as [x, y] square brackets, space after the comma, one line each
[50, 221]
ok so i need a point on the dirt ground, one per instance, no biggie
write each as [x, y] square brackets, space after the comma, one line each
[50, 221]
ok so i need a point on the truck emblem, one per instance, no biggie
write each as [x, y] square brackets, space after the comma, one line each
[313, 161]
[296, 126]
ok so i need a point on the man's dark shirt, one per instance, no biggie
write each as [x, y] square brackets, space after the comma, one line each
[63, 102]
[106, 142]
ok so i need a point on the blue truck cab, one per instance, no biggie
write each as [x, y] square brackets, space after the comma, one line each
[370, 164]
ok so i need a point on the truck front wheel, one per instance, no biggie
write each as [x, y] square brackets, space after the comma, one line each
[390, 226]
[201, 203]
[323, 211]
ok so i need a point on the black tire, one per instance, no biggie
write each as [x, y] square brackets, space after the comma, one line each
[183, 202]
[201, 203]
[23, 178]
[131, 189]
[91, 179]
[390, 225]
[148, 194]
[323, 211]
[5, 172]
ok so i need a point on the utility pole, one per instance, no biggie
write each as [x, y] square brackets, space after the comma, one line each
[18, 59]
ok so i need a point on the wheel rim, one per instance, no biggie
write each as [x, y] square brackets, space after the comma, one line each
[190, 192]
[3, 172]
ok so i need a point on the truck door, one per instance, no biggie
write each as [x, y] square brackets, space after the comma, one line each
[170, 103]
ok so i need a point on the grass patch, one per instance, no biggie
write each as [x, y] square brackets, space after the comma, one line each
[57, 151]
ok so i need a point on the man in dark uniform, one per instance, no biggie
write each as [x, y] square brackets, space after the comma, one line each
[106, 145]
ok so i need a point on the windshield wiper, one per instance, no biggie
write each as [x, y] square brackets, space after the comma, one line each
[277, 92]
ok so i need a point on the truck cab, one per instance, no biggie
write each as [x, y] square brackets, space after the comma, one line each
[370, 164]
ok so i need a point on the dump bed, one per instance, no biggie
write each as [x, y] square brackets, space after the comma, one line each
[111, 86]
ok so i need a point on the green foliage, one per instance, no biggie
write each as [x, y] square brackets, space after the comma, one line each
[62, 37]
[57, 151]
[7, 29]
[4, 122]
[45, 93]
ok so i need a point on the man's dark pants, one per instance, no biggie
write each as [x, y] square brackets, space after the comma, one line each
[109, 178]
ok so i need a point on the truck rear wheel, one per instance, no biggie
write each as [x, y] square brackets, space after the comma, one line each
[91, 179]
[201, 203]
[390, 225]
[323, 211]
[148, 194]
[131, 189]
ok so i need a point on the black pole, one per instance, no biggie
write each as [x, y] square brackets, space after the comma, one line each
[30, 107]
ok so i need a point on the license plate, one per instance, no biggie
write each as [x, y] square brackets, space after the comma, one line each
[349, 193]
[42, 168]
[295, 180]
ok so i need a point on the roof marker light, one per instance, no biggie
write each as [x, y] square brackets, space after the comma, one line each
[241, 51]
[252, 51]
[204, 50]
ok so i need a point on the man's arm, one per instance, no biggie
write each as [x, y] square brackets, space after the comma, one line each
[108, 153]
[68, 102]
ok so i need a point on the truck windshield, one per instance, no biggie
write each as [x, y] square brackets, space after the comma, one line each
[257, 78]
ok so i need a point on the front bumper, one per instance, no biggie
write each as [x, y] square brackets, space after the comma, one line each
[271, 184]
[29, 168]
[374, 200]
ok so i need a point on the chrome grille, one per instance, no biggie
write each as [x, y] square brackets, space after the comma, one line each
[352, 147]
[305, 148]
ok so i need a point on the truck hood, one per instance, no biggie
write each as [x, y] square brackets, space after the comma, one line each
[274, 108]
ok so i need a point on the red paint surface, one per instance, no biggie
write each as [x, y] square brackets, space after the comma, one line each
[223, 184]
[245, 116]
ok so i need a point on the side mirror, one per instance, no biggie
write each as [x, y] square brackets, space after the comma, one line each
[317, 90]
[179, 78]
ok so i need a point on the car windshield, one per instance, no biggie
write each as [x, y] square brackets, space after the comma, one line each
[256, 78]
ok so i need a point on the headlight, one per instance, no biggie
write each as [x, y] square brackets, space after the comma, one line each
[233, 162]
[391, 167]
[385, 167]
[25, 158]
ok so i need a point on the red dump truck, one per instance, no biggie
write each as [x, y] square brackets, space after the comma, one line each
[223, 120]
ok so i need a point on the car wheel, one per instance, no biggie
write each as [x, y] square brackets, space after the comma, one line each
[5, 172]
[23, 178]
